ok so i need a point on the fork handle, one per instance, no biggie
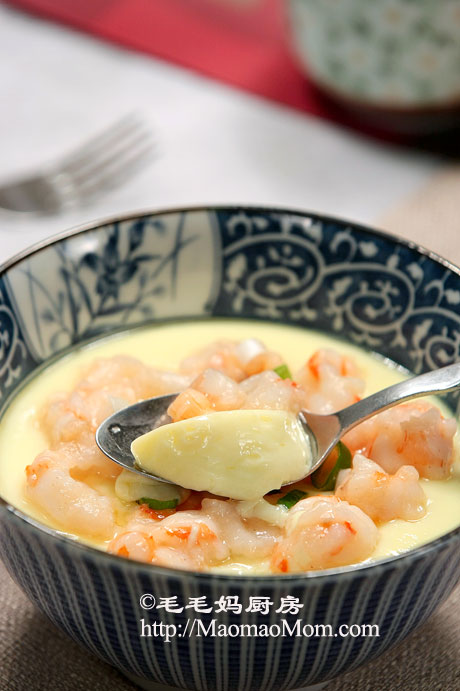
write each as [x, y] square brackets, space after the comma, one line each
[439, 381]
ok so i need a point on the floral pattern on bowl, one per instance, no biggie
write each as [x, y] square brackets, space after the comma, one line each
[129, 272]
[394, 53]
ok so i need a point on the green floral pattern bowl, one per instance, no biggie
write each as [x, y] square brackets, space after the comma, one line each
[398, 54]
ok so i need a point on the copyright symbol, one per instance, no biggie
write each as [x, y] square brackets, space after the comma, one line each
[147, 601]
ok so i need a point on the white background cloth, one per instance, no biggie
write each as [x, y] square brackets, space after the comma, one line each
[214, 143]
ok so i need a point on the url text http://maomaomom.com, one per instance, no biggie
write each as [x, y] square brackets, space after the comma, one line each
[214, 628]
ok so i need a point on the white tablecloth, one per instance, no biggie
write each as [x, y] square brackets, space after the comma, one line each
[215, 144]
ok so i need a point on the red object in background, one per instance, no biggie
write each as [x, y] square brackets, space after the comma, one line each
[242, 44]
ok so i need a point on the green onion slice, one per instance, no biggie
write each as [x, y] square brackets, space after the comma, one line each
[326, 476]
[291, 498]
[283, 371]
[156, 504]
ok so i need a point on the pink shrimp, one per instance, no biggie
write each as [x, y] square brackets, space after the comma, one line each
[381, 496]
[410, 434]
[127, 378]
[322, 533]
[210, 391]
[262, 362]
[331, 381]
[189, 403]
[108, 384]
[236, 359]
[222, 392]
[247, 538]
[214, 391]
[74, 505]
[133, 544]
[268, 391]
[184, 540]
[220, 355]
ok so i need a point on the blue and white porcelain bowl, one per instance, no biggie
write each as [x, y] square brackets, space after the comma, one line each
[287, 266]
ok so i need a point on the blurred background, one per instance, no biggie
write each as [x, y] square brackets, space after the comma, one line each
[349, 107]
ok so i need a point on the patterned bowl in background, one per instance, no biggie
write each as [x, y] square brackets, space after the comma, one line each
[395, 58]
[287, 266]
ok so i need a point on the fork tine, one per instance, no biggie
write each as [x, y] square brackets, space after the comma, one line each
[92, 148]
[110, 153]
[114, 157]
[117, 176]
[102, 162]
[110, 175]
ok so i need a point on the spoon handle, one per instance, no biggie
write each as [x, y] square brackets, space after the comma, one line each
[438, 381]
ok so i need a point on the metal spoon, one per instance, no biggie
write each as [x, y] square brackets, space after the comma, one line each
[116, 433]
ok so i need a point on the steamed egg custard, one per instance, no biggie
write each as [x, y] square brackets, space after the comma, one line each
[241, 454]
[393, 483]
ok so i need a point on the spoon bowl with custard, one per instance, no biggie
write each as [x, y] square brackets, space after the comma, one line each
[244, 454]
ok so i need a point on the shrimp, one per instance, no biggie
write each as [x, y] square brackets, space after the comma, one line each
[189, 403]
[237, 360]
[331, 381]
[255, 358]
[210, 391]
[262, 362]
[107, 386]
[410, 434]
[74, 505]
[127, 378]
[133, 544]
[65, 422]
[184, 540]
[214, 391]
[322, 533]
[381, 496]
[222, 392]
[60, 422]
[221, 355]
[250, 538]
[268, 391]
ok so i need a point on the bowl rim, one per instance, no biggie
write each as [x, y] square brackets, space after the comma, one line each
[160, 211]
[400, 560]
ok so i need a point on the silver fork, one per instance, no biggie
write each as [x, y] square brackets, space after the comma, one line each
[98, 165]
